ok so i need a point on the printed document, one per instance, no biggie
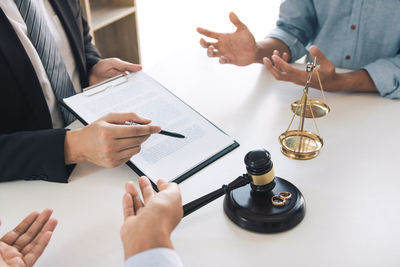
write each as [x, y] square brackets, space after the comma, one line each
[161, 156]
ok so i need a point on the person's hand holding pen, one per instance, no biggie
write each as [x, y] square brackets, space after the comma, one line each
[108, 142]
[163, 132]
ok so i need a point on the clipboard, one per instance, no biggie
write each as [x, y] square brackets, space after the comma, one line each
[122, 84]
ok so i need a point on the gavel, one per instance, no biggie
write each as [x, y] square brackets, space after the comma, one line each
[258, 200]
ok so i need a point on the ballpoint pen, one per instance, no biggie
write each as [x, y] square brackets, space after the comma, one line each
[163, 132]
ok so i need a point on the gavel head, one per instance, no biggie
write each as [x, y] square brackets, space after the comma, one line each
[260, 169]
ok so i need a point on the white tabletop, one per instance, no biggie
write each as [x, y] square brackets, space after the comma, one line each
[351, 188]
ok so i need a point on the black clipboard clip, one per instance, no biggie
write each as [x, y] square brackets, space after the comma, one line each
[105, 85]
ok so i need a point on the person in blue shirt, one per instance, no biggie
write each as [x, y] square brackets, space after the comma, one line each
[360, 35]
[145, 233]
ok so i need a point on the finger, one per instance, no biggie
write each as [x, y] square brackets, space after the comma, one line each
[161, 184]
[127, 206]
[277, 66]
[288, 72]
[316, 52]
[285, 56]
[123, 66]
[206, 44]
[128, 153]
[212, 52]
[131, 189]
[146, 188]
[20, 229]
[48, 227]
[122, 144]
[236, 21]
[33, 230]
[282, 65]
[224, 60]
[38, 249]
[130, 131]
[123, 161]
[203, 43]
[274, 71]
[325, 64]
[121, 118]
[276, 53]
[208, 33]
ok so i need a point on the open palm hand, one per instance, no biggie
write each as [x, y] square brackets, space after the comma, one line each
[25, 243]
[237, 48]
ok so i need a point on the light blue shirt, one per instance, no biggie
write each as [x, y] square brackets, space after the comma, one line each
[157, 257]
[353, 34]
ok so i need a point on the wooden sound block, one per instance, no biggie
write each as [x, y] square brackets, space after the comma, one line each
[254, 210]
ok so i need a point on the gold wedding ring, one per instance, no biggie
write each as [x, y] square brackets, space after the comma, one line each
[285, 195]
[280, 199]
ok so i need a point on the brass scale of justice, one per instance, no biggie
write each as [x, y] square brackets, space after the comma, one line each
[301, 144]
[259, 201]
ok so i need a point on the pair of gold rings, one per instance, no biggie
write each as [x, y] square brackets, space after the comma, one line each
[280, 199]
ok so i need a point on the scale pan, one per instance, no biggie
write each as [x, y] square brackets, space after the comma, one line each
[300, 145]
[319, 109]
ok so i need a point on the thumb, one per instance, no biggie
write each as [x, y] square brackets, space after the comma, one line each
[162, 184]
[324, 63]
[126, 66]
[171, 188]
[236, 21]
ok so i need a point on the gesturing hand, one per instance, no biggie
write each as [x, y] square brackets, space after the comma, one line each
[237, 48]
[110, 67]
[23, 246]
[108, 142]
[149, 225]
[283, 71]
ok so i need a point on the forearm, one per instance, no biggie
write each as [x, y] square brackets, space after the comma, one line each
[355, 81]
[266, 47]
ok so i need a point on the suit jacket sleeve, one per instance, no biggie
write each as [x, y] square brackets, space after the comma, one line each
[36, 155]
[91, 52]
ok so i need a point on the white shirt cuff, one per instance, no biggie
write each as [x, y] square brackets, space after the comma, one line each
[157, 257]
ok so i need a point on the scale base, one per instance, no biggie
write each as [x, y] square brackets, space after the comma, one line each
[255, 212]
[301, 145]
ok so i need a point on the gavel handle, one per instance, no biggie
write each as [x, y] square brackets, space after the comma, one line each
[204, 200]
[225, 189]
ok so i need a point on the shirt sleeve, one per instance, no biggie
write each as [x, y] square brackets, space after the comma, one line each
[295, 26]
[157, 257]
[385, 73]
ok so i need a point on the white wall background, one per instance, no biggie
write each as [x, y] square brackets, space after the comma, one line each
[166, 26]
